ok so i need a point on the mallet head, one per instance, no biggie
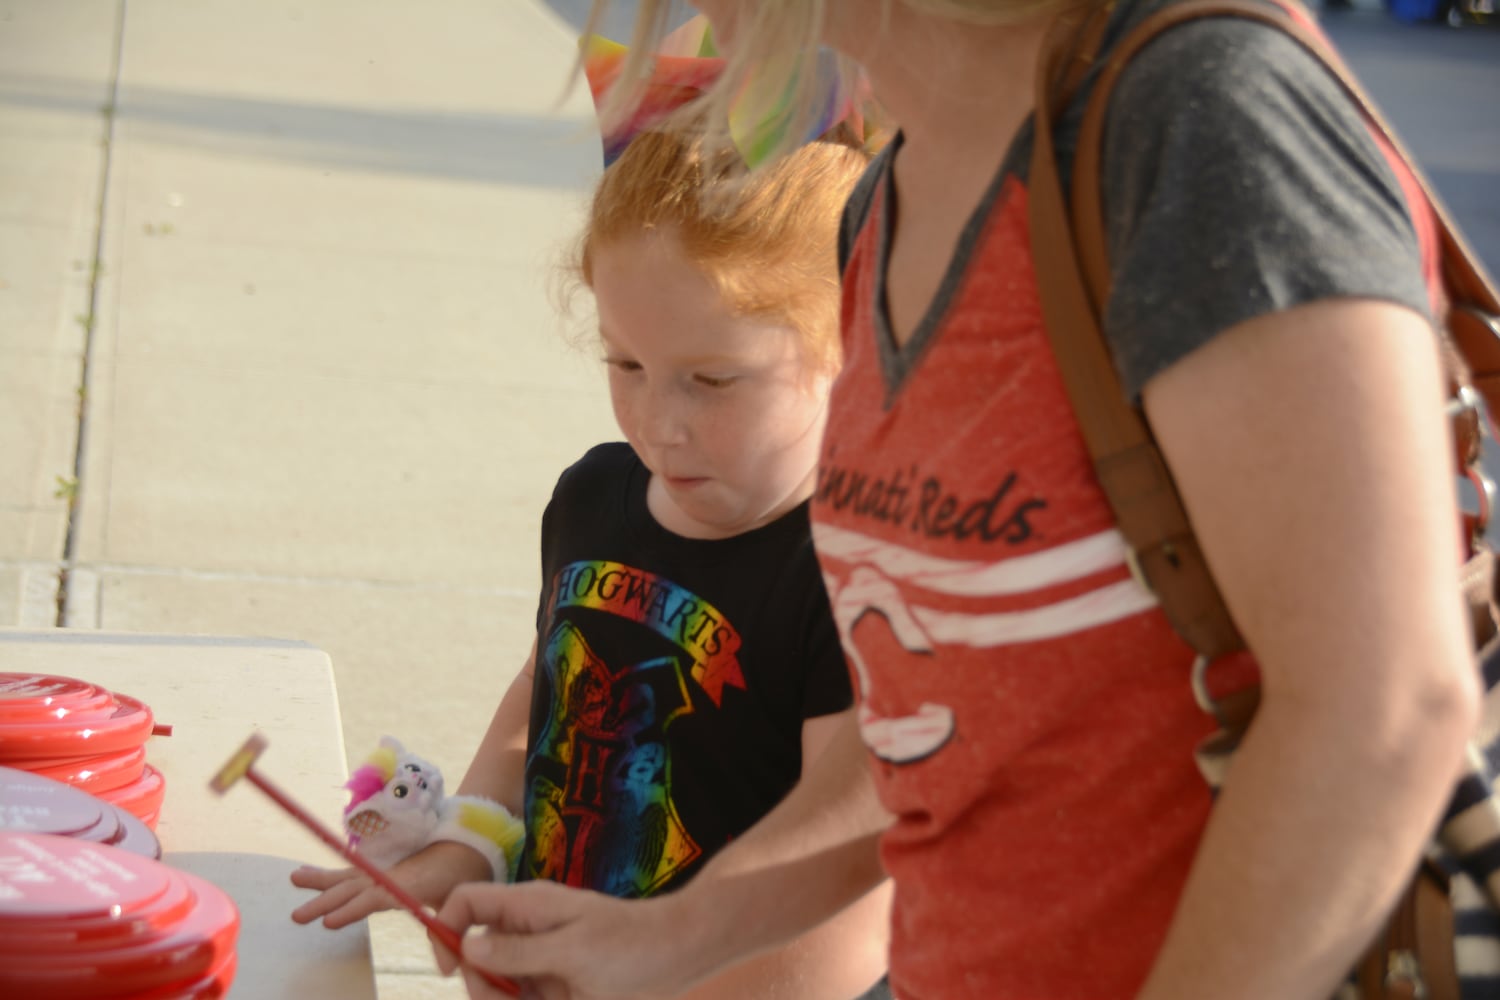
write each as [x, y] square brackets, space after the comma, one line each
[239, 765]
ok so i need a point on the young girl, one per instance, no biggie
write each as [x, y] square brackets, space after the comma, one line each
[686, 670]
[1024, 703]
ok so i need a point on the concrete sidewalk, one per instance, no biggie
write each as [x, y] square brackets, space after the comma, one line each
[278, 354]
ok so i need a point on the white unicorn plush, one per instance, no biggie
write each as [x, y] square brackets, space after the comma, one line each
[397, 807]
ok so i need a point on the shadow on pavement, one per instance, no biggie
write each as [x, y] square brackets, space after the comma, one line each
[480, 148]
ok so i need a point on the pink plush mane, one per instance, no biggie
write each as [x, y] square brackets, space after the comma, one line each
[366, 781]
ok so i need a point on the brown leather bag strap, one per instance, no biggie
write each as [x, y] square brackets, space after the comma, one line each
[1462, 271]
[1414, 955]
[1127, 463]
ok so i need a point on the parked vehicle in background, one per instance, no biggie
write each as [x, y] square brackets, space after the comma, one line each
[1456, 12]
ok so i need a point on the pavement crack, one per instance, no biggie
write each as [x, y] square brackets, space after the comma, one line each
[89, 320]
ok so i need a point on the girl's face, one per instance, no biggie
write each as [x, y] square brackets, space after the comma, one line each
[722, 409]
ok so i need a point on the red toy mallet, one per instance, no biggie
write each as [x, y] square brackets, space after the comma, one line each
[242, 765]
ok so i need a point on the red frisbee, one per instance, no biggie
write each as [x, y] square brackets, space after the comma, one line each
[48, 717]
[143, 797]
[94, 774]
[153, 905]
[89, 920]
[32, 803]
[137, 835]
[211, 987]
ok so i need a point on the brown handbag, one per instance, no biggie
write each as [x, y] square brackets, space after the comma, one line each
[1414, 956]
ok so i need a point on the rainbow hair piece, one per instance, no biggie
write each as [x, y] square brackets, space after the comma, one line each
[760, 116]
[683, 70]
[687, 64]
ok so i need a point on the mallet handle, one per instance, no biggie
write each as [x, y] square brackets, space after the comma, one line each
[445, 934]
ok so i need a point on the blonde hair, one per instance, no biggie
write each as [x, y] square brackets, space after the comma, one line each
[776, 47]
[767, 241]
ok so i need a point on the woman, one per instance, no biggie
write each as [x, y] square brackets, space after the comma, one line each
[1023, 702]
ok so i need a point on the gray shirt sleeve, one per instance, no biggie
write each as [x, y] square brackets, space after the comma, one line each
[1240, 181]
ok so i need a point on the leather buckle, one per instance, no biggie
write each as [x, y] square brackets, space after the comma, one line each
[1133, 562]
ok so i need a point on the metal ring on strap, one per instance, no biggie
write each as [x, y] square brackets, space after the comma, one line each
[1199, 680]
[1484, 489]
[1465, 400]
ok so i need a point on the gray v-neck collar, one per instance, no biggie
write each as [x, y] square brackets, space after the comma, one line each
[898, 363]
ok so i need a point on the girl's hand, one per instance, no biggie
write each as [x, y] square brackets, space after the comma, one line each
[347, 895]
[567, 944]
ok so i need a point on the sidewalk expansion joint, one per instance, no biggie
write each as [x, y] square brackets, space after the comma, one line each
[74, 486]
[97, 570]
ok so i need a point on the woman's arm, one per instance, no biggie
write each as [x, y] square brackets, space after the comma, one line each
[497, 771]
[1313, 455]
[809, 858]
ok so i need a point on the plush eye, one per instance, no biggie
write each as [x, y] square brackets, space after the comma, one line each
[400, 791]
[422, 784]
[413, 768]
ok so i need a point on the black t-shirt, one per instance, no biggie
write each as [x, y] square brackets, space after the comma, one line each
[673, 676]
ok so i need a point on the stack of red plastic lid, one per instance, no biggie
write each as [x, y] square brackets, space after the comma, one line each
[80, 919]
[31, 803]
[83, 735]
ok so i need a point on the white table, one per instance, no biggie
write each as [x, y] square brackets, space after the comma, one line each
[215, 692]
